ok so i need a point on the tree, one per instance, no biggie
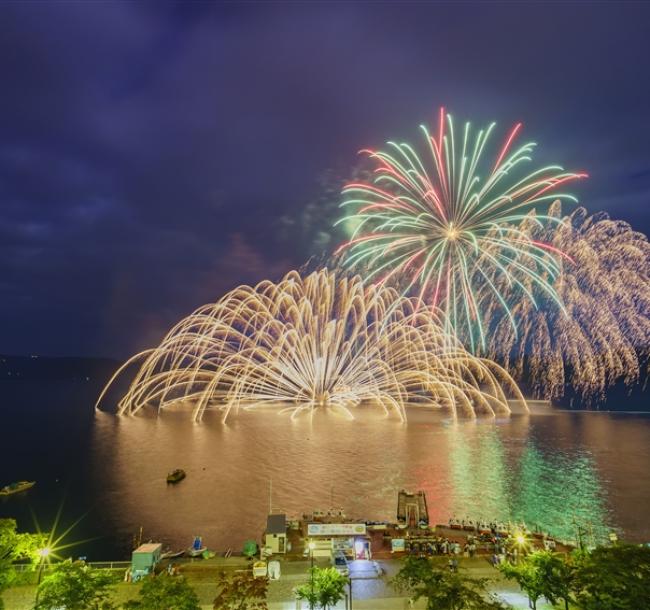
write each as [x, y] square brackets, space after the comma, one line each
[250, 549]
[165, 592]
[543, 574]
[14, 547]
[241, 592]
[76, 586]
[556, 575]
[328, 587]
[529, 578]
[442, 588]
[613, 578]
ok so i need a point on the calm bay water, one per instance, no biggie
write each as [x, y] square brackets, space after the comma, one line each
[552, 469]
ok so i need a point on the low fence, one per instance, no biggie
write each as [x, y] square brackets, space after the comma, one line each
[105, 565]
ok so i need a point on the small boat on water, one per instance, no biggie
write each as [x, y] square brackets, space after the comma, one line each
[197, 549]
[16, 488]
[176, 476]
[169, 554]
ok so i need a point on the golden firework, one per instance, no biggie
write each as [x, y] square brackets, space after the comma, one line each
[600, 335]
[319, 341]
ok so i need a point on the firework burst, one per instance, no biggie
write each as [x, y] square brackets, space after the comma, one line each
[446, 225]
[307, 343]
[602, 334]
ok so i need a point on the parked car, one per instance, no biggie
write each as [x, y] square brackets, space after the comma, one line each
[341, 563]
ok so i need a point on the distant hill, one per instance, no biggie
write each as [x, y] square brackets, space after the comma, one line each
[40, 368]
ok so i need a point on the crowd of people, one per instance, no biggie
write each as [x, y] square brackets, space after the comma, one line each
[498, 541]
[484, 527]
[442, 546]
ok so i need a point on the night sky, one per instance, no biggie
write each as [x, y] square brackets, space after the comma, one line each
[153, 155]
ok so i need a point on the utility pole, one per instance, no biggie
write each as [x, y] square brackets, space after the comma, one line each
[43, 554]
[579, 533]
[312, 546]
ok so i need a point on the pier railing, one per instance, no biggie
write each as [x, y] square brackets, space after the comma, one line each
[104, 565]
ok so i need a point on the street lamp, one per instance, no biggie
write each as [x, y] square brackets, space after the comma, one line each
[520, 544]
[312, 546]
[43, 553]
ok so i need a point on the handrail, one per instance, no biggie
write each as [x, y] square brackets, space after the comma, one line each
[105, 565]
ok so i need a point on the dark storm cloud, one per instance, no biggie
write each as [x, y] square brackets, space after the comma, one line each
[155, 155]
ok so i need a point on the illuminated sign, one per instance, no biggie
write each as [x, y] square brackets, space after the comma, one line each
[397, 545]
[336, 529]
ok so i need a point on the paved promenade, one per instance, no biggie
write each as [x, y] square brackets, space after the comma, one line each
[371, 588]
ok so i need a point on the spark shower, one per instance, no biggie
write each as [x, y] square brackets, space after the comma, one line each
[560, 301]
[449, 223]
[322, 341]
[472, 278]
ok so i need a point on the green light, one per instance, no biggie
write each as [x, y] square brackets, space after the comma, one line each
[447, 225]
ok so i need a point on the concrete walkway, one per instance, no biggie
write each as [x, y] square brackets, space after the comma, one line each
[371, 589]
[386, 603]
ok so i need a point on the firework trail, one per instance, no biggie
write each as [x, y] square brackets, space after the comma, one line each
[604, 331]
[315, 342]
[445, 225]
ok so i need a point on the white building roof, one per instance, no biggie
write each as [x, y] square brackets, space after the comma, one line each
[149, 547]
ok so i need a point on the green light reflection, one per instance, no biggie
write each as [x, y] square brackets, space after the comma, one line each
[555, 491]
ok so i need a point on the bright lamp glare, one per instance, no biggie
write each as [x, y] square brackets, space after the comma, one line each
[44, 552]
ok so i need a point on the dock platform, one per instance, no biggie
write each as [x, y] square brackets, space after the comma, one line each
[412, 508]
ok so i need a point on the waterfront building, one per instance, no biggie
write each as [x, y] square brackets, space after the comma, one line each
[349, 538]
[275, 536]
[144, 559]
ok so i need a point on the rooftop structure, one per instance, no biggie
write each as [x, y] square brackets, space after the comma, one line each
[276, 524]
[412, 508]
